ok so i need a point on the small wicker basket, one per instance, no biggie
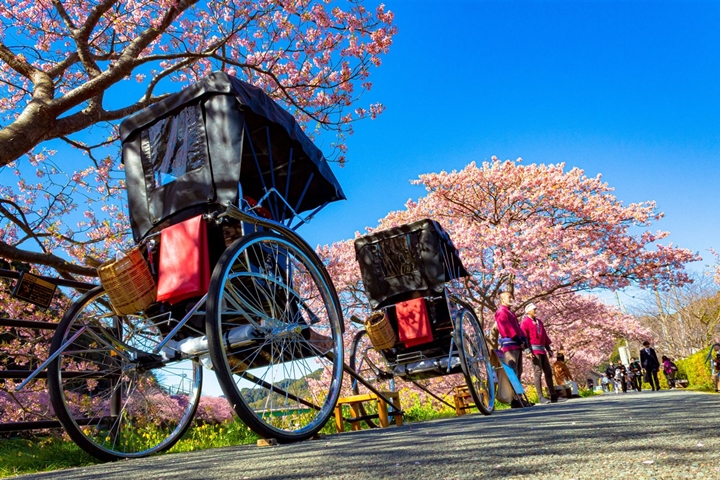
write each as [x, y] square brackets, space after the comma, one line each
[380, 331]
[128, 282]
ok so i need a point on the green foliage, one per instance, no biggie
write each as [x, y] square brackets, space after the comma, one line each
[696, 370]
[19, 456]
[225, 434]
[418, 410]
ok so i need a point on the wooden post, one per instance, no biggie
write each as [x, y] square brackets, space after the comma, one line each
[355, 407]
[383, 413]
[339, 424]
[396, 406]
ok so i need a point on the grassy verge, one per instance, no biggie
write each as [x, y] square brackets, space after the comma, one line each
[51, 452]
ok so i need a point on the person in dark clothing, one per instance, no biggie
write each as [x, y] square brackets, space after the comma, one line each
[590, 384]
[651, 364]
[610, 370]
[636, 372]
[714, 357]
[610, 374]
[621, 377]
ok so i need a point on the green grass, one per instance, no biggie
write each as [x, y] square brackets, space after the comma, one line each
[48, 453]
[40, 454]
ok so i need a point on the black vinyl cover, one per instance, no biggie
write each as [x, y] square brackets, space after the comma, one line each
[191, 151]
[418, 256]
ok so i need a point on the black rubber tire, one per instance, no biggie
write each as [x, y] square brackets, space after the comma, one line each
[113, 343]
[475, 359]
[252, 277]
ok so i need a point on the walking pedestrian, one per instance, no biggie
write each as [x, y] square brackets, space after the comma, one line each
[636, 371]
[511, 339]
[651, 364]
[669, 369]
[715, 366]
[539, 352]
[620, 378]
[610, 374]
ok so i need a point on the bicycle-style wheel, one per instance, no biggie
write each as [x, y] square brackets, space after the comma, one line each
[475, 359]
[370, 365]
[113, 396]
[274, 334]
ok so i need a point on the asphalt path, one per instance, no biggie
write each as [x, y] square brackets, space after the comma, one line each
[647, 435]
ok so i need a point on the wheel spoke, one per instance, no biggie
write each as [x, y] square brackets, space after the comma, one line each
[277, 384]
[124, 398]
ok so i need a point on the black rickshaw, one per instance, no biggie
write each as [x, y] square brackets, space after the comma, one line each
[411, 273]
[232, 176]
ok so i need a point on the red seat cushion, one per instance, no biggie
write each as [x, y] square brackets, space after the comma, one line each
[413, 322]
[184, 266]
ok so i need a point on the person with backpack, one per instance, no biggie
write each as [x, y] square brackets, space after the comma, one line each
[636, 372]
[669, 370]
[620, 378]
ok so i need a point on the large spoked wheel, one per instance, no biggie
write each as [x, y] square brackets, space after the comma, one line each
[475, 360]
[274, 334]
[113, 396]
[370, 365]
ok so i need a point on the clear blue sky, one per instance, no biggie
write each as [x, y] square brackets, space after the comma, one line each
[627, 89]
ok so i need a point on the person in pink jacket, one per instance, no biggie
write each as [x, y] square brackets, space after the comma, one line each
[510, 337]
[539, 351]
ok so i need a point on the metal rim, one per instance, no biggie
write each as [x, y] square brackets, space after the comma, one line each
[284, 383]
[476, 361]
[110, 397]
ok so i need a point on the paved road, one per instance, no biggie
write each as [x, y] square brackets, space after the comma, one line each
[648, 435]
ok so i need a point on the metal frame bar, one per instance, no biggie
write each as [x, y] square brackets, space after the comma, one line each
[180, 324]
[50, 359]
[273, 208]
[287, 179]
[431, 394]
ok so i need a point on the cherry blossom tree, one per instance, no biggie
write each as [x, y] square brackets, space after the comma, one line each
[552, 235]
[545, 231]
[71, 69]
[586, 330]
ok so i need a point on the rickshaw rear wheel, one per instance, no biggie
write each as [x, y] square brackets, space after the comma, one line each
[114, 398]
[275, 336]
[368, 363]
[475, 359]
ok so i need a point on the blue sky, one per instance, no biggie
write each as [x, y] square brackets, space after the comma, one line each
[627, 89]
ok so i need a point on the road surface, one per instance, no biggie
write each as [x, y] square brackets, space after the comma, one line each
[648, 435]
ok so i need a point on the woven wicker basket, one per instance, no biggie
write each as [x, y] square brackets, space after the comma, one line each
[128, 282]
[380, 331]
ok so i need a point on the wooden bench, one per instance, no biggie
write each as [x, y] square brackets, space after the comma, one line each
[463, 400]
[383, 415]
